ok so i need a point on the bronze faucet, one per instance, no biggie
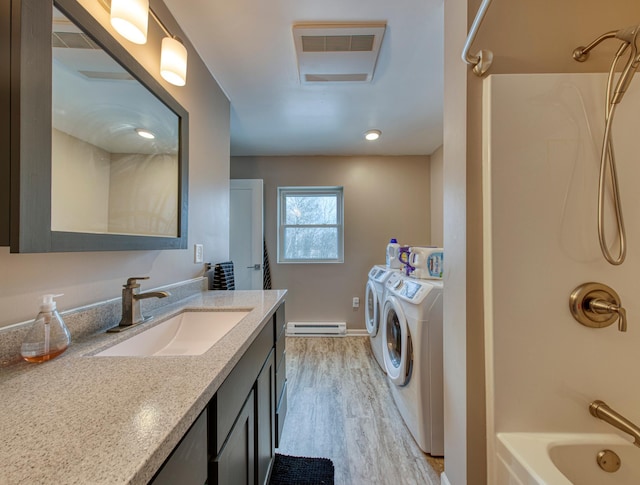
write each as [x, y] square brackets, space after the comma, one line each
[599, 409]
[131, 314]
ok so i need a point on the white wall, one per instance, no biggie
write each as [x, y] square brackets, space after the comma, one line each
[542, 139]
[437, 181]
[89, 277]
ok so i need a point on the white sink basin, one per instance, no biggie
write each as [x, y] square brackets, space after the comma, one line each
[188, 333]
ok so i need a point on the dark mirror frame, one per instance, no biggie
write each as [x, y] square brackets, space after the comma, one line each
[30, 135]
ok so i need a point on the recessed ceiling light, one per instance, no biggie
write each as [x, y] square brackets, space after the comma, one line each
[145, 133]
[372, 135]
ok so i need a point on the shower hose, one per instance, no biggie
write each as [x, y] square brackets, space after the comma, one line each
[608, 159]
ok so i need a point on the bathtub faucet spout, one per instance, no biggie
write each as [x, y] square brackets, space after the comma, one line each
[600, 410]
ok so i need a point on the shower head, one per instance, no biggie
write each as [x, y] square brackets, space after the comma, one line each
[627, 35]
[630, 36]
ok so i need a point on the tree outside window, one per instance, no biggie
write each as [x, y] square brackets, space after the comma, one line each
[310, 221]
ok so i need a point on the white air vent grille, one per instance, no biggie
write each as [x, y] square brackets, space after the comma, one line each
[112, 76]
[73, 40]
[327, 78]
[337, 43]
[338, 52]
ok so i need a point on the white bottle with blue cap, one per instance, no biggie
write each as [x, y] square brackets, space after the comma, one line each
[393, 248]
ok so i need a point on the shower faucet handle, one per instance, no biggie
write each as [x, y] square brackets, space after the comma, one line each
[605, 307]
[596, 305]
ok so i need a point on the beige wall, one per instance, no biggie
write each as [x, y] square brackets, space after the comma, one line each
[143, 194]
[458, 448]
[384, 197]
[80, 171]
[524, 37]
[89, 277]
[437, 195]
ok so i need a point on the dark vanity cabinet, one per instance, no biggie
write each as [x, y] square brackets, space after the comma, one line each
[243, 434]
[233, 441]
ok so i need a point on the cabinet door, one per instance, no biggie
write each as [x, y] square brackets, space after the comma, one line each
[235, 464]
[187, 464]
[266, 415]
[280, 397]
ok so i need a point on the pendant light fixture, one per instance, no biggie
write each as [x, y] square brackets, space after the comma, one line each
[173, 56]
[130, 18]
[173, 61]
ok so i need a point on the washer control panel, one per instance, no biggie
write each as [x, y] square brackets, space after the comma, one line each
[409, 289]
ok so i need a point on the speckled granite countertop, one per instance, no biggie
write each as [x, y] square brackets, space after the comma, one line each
[84, 420]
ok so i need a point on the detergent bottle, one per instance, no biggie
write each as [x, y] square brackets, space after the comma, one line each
[393, 261]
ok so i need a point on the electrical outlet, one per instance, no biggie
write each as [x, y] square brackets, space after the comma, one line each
[356, 302]
[198, 253]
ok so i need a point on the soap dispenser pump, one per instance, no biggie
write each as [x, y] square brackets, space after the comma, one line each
[48, 336]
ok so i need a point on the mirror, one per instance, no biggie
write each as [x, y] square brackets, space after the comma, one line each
[104, 185]
[114, 158]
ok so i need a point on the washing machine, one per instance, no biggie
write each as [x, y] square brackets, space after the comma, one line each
[374, 297]
[412, 352]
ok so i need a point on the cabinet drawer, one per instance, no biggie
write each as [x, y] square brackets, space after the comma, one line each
[281, 375]
[234, 390]
[280, 348]
[279, 321]
[281, 413]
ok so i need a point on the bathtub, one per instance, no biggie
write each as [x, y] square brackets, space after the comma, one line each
[563, 459]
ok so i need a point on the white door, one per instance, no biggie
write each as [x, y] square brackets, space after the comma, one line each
[246, 233]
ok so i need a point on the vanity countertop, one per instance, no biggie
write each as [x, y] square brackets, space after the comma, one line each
[80, 419]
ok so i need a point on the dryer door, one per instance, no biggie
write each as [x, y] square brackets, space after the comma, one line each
[397, 349]
[372, 316]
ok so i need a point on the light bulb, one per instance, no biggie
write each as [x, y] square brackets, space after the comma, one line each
[130, 18]
[145, 133]
[372, 135]
[173, 61]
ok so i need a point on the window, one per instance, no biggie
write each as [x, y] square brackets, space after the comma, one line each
[310, 225]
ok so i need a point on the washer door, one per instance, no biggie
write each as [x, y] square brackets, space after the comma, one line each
[372, 316]
[397, 349]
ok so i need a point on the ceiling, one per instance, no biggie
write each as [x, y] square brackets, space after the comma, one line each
[248, 47]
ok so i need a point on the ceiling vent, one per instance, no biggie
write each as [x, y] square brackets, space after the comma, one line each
[72, 40]
[344, 53]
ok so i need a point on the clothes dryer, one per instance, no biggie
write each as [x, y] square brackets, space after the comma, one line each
[412, 351]
[374, 297]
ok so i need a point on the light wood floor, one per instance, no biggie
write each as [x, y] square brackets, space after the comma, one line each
[340, 408]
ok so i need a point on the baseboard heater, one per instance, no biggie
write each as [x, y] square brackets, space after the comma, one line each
[321, 329]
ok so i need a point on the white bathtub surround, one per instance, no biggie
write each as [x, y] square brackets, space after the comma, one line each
[114, 420]
[542, 136]
[564, 459]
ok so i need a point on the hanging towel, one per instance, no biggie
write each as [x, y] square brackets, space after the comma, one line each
[221, 276]
[266, 273]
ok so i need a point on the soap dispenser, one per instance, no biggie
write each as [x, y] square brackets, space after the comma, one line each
[48, 336]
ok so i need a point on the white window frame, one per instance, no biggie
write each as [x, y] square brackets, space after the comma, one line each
[336, 191]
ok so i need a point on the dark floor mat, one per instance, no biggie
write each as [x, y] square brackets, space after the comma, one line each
[300, 470]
